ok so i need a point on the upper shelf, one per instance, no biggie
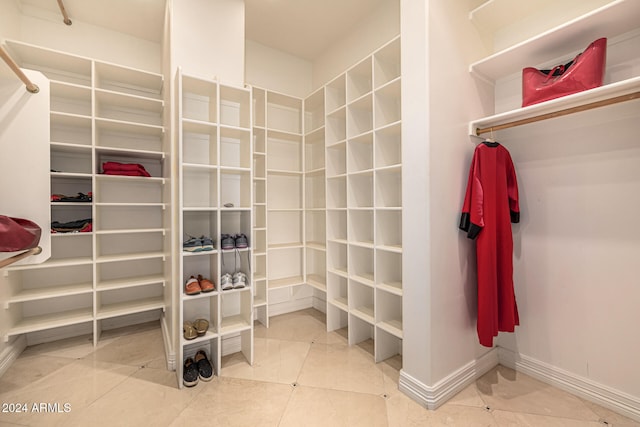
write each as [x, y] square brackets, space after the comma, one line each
[608, 21]
[555, 107]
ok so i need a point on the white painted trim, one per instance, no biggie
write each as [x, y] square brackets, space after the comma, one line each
[617, 401]
[169, 353]
[11, 353]
[431, 397]
[290, 306]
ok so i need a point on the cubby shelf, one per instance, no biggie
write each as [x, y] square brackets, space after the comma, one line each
[215, 151]
[99, 112]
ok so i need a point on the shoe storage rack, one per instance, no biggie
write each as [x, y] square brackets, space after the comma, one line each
[364, 201]
[114, 273]
[328, 200]
[215, 156]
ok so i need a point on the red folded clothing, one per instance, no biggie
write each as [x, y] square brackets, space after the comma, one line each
[131, 169]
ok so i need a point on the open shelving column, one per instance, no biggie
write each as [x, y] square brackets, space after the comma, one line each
[215, 174]
[364, 202]
[115, 274]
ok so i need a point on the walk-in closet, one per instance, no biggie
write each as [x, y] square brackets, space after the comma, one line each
[214, 169]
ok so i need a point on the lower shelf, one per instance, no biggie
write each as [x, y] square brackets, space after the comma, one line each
[394, 327]
[50, 321]
[286, 281]
[233, 324]
[317, 281]
[130, 307]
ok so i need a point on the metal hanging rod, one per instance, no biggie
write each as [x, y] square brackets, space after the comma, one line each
[566, 111]
[31, 87]
[64, 13]
[16, 258]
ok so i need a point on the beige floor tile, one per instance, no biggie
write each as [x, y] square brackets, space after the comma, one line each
[73, 348]
[78, 384]
[505, 389]
[144, 348]
[148, 397]
[27, 370]
[515, 419]
[460, 415]
[340, 367]
[277, 361]
[469, 396]
[304, 325]
[236, 402]
[612, 418]
[321, 407]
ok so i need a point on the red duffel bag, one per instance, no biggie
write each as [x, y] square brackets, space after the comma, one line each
[18, 234]
[585, 71]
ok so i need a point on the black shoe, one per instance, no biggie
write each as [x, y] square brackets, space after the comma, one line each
[190, 373]
[205, 370]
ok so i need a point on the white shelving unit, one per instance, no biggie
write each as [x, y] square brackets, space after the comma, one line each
[364, 202]
[116, 273]
[215, 152]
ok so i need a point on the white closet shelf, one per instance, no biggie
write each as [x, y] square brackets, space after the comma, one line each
[394, 327]
[200, 209]
[106, 285]
[496, 14]
[124, 179]
[127, 100]
[361, 244]
[66, 147]
[285, 210]
[257, 277]
[342, 272]
[199, 166]
[71, 234]
[65, 262]
[317, 281]
[138, 154]
[316, 133]
[232, 324]
[284, 172]
[134, 205]
[289, 245]
[202, 295]
[234, 169]
[259, 302]
[52, 320]
[50, 292]
[125, 79]
[318, 246]
[341, 302]
[569, 38]
[315, 172]
[363, 278]
[129, 257]
[365, 313]
[131, 231]
[554, 106]
[209, 335]
[70, 175]
[129, 307]
[198, 126]
[341, 241]
[285, 282]
[105, 124]
[394, 288]
[390, 248]
[70, 204]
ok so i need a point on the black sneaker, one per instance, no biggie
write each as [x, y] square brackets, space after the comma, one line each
[205, 370]
[190, 373]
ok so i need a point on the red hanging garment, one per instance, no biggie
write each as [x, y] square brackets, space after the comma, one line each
[490, 206]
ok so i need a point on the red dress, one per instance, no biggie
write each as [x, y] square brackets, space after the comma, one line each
[490, 206]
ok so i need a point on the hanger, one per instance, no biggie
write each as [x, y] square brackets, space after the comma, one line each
[490, 140]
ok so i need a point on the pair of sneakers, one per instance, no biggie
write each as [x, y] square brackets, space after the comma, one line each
[197, 368]
[237, 281]
[238, 241]
[194, 286]
[198, 244]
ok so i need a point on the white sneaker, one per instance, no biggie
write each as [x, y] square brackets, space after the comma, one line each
[226, 282]
[239, 280]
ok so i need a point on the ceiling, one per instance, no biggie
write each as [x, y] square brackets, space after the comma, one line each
[304, 28]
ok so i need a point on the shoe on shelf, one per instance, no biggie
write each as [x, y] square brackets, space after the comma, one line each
[205, 370]
[201, 326]
[207, 243]
[189, 331]
[193, 244]
[227, 242]
[206, 285]
[226, 282]
[239, 280]
[192, 287]
[241, 241]
[190, 373]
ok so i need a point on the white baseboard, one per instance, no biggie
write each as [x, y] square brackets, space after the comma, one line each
[320, 304]
[11, 352]
[169, 351]
[431, 397]
[615, 400]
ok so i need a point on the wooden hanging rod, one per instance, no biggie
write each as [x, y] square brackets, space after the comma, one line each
[31, 87]
[566, 111]
[64, 13]
[16, 258]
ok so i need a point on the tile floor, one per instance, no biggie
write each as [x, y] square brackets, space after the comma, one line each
[302, 376]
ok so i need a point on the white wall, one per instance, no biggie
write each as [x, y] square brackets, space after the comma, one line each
[276, 70]
[45, 28]
[9, 19]
[370, 33]
[208, 39]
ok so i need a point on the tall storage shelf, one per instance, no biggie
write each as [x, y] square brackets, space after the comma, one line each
[113, 272]
[364, 201]
[215, 152]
